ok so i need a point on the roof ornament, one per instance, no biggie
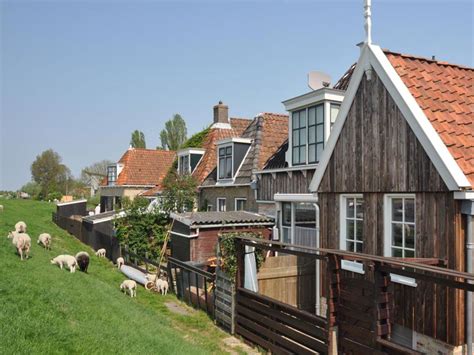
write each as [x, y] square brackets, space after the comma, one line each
[368, 21]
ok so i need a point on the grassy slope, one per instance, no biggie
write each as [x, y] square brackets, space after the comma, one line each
[47, 310]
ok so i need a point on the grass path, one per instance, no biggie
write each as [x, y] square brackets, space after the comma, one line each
[45, 310]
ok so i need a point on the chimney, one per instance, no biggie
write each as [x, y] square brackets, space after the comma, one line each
[221, 113]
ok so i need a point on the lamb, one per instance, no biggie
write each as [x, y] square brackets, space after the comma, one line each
[22, 242]
[45, 240]
[20, 227]
[120, 262]
[1, 208]
[67, 260]
[162, 286]
[82, 259]
[100, 253]
[129, 286]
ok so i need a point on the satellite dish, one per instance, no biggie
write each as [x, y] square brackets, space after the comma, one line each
[318, 80]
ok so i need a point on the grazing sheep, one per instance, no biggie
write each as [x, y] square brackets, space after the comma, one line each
[67, 260]
[45, 240]
[120, 262]
[162, 286]
[129, 286]
[20, 227]
[22, 242]
[1, 208]
[82, 259]
[100, 253]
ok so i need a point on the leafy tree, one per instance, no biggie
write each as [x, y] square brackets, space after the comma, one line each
[141, 231]
[94, 171]
[179, 192]
[174, 134]
[50, 174]
[138, 139]
[32, 189]
[197, 139]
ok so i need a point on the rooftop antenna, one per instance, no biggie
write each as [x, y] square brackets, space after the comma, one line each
[368, 21]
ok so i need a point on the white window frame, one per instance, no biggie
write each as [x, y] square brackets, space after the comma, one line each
[238, 199]
[187, 169]
[219, 147]
[387, 247]
[348, 265]
[218, 206]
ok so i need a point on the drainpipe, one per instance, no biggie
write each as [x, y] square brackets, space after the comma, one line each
[467, 208]
[318, 266]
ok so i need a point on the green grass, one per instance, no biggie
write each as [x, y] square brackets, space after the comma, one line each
[50, 311]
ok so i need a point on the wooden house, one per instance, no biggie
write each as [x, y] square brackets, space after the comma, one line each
[396, 179]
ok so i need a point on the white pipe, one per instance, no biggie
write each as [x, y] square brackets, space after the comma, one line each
[469, 260]
[318, 266]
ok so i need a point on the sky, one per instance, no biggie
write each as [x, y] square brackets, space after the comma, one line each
[80, 76]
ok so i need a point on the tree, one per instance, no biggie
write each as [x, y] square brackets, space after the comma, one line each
[50, 174]
[95, 171]
[138, 139]
[179, 192]
[174, 134]
[32, 189]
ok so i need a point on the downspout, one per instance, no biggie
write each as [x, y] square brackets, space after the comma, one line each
[467, 208]
[318, 266]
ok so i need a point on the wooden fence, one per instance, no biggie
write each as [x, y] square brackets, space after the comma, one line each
[225, 301]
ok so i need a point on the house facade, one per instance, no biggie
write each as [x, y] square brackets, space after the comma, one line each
[396, 179]
[231, 186]
[138, 172]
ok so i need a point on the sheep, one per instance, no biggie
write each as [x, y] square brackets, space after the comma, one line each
[100, 253]
[120, 262]
[162, 286]
[22, 242]
[129, 286]
[67, 260]
[45, 240]
[20, 227]
[82, 259]
[1, 208]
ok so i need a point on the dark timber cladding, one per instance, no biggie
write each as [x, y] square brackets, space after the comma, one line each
[283, 182]
[378, 153]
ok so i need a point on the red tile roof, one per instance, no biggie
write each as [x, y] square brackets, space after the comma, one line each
[275, 132]
[445, 93]
[209, 159]
[144, 167]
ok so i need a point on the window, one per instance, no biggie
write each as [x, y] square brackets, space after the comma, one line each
[111, 175]
[209, 208]
[400, 231]
[184, 164]
[315, 133]
[298, 223]
[225, 163]
[286, 222]
[221, 204]
[352, 229]
[333, 114]
[240, 204]
[299, 137]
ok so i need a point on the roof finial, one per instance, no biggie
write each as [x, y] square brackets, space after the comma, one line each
[368, 21]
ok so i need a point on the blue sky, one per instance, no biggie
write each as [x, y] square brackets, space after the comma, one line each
[80, 76]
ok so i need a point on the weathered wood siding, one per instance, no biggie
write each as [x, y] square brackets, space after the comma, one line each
[378, 153]
[283, 182]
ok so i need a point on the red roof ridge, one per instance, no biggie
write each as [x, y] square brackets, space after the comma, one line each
[430, 60]
[275, 114]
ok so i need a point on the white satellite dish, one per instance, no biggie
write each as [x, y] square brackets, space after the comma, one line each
[318, 80]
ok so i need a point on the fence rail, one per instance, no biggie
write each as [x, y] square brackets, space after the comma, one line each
[225, 301]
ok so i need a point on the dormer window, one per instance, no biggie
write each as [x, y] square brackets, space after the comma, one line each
[188, 159]
[334, 112]
[225, 162]
[184, 164]
[111, 175]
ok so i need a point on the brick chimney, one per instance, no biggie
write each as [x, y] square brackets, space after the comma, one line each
[221, 113]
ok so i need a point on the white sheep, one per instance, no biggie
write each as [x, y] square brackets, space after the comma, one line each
[1, 208]
[67, 260]
[162, 286]
[120, 262]
[22, 242]
[45, 240]
[20, 227]
[129, 286]
[100, 253]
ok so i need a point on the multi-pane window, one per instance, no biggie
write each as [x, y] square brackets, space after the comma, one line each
[315, 133]
[111, 174]
[353, 228]
[402, 227]
[333, 114]
[225, 162]
[299, 137]
[221, 205]
[184, 164]
[240, 204]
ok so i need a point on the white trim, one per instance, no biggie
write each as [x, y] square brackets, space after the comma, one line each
[265, 201]
[221, 125]
[313, 97]
[234, 140]
[223, 183]
[186, 151]
[239, 199]
[403, 280]
[70, 202]
[436, 150]
[464, 195]
[217, 204]
[295, 197]
[185, 235]
[290, 168]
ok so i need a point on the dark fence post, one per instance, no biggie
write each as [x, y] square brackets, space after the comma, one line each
[382, 304]
[240, 275]
[333, 276]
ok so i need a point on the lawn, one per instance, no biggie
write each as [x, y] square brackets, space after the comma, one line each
[50, 311]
